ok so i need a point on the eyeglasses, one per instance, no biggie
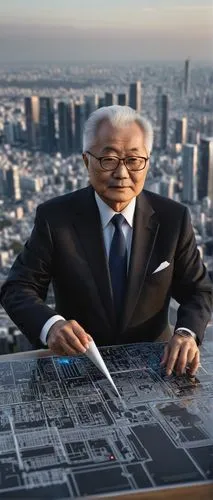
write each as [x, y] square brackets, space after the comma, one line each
[132, 163]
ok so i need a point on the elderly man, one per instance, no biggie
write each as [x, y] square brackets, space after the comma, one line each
[115, 253]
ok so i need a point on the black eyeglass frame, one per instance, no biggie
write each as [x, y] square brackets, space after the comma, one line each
[120, 159]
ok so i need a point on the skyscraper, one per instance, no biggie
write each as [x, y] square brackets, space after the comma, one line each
[158, 105]
[122, 99]
[3, 181]
[110, 99]
[186, 77]
[181, 131]
[205, 169]
[101, 102]
[91, 104]
[135, 96]
[13, 183]
[164, 120]
[79, 124]
[167, 187]
[189, 168]
[8, 132]
[65, 118]
[47, 125]
[32, 113]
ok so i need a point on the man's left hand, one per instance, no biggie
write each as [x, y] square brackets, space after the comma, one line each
[179, 353]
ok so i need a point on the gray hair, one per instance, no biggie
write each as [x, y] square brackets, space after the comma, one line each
[118, 116]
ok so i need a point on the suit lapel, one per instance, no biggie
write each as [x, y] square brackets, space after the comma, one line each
[144, 236]
[87, 224]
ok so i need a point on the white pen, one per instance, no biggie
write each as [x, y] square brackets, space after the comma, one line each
[94, 355]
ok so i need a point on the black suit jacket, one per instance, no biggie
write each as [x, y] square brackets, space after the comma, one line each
[67, 247]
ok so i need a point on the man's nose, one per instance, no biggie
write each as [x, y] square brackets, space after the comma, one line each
[121, 170]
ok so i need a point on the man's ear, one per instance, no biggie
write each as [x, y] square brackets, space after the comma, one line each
[85, 159]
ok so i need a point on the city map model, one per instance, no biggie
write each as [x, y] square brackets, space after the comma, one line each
[65, 434]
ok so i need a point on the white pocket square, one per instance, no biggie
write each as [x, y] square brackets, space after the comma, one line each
[162, 266]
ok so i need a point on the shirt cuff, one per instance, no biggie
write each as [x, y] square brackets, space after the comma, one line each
[193, 334]
[45, 330]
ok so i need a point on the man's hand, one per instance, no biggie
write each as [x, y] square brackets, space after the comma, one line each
[68, 338]
[179, 353]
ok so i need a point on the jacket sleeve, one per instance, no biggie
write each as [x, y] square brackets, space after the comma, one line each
[191, 286]
[24, 292]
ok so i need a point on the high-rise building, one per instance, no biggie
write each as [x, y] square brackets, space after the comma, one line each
[3, 181]
[209, 128]
[205, 169]
[91, 104]
[158, 105]
[193, 136]
[13, 183]
[32, 116]
[167, 187]
[65, 125]
[181, 131]
[19, 132]
[47, 125]
[110, 99]
[135, 96]
[189, 169]
[187, 77]
[9, 132]
[101, 102]
[164, 121]
[122, 99]
[79, 125]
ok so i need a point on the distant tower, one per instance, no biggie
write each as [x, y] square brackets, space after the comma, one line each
[110, 99]
[186, 77]
[79, 124]
[101, 102]
[91, 104]
[65, 128]
[205, 169]
[158, 105]
[209, 128]
[9, 132]
[3, 181]
[122, 99]
[164, 120]
[181, 131]
[193, 136]
[189, 168]
[135, 96]
[32, 112]
[19, 133]
[47, 125]
[167, 187]
[13, 183]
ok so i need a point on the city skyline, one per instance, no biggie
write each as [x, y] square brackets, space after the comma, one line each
[120, 30]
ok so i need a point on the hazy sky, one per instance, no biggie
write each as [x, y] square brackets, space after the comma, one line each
[105, 30]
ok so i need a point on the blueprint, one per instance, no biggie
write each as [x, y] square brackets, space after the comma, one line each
[65, 434]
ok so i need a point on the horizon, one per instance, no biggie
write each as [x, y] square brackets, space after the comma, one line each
[124, 30]
[162, 62]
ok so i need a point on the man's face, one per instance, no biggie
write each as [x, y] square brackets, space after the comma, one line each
[118, 187]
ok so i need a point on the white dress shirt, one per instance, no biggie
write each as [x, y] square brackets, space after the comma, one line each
[106, 214]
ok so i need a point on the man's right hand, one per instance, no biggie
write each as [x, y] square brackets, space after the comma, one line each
[68, 338]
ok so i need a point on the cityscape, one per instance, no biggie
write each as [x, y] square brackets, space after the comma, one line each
[43, 108]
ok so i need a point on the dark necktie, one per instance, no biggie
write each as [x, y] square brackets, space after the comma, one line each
[118, 263]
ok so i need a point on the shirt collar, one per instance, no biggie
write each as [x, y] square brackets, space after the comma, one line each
[106, 212]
